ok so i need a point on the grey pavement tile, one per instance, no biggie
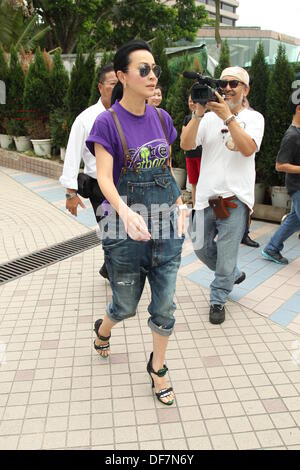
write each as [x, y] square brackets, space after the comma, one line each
[269, 438]
[151, 445]
[8, 442]
[194, 428]
[54, 440]
[290, 436]
[199, 443]
[223, 442]
[171, 430]
[30, 442]
[125, 434]
[175, 444]
[11, 427]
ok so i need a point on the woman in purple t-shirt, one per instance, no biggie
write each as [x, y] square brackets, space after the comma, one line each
[144, 229]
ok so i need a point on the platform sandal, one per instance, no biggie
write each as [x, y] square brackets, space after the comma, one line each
[165, 392]
[102, 347]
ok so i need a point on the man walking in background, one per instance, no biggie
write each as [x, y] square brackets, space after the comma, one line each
[288, 161]
[77, 151]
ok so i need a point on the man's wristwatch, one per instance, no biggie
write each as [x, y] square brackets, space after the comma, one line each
[229, 119]
[71, 195]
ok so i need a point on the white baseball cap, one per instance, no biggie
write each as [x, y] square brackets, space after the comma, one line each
[237, 72]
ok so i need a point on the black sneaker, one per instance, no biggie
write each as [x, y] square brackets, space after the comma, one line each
[216, 314]
[275, 256]
[103, 272]
[241, 278]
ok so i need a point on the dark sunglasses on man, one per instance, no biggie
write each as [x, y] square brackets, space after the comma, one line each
[232, 83]
[145, 69]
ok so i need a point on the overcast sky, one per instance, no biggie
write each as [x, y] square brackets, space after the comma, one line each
[282, 16]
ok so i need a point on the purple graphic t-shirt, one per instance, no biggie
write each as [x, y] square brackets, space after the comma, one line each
[144, 136]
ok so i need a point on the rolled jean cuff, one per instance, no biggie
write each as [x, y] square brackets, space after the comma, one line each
[111, 315]
[160, 330]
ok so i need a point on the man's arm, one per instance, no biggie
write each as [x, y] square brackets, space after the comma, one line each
[189, 132]
[74, 151]
[287, 168]
[285, 156]
[73, 157]
[243, 141]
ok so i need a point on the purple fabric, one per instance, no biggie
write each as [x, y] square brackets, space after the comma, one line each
[144, 136]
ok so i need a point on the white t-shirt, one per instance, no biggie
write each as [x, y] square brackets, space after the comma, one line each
[225, 172]
[76, 148]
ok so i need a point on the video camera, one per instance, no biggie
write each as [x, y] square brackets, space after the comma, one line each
[204, 90]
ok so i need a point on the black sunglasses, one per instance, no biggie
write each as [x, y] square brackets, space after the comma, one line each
[145, 69]
[231, 83]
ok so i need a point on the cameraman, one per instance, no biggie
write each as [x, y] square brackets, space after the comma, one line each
[230, 136]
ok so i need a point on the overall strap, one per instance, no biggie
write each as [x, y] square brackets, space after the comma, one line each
[123, 141]
[165, 131]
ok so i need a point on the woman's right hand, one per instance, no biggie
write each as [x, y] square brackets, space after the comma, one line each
[135, 226]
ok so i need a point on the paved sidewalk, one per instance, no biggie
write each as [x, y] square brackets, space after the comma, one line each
[237, 385]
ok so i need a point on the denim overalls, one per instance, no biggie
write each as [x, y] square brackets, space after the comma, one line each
[129, 262]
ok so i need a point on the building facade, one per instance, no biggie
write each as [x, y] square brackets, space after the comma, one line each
[228, 10]
[243, 43]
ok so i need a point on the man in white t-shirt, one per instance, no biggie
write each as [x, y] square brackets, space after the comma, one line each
[77, 150]
[230, 136]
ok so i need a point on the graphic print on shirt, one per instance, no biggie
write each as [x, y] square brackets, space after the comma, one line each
[150, 155]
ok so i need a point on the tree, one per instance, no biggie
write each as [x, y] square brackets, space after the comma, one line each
[71, 19]
[107, 58]
[278, 117]
[217, 24]
[37, 97]
[80, 85]
[177, 107]
[109, 23]
[260, 75]
[160, 56]
[59, 82]
[15, 29]
[4, 78]
[15, 93]
[224, 60]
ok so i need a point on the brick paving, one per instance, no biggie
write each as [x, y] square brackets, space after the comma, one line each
[237, 384]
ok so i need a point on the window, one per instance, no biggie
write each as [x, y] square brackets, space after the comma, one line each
[225, 6]
[228, 21]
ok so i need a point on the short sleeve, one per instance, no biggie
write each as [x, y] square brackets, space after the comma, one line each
[101, 133]
[171, 131]
[286, 150]
[255, 128]
[201, 131]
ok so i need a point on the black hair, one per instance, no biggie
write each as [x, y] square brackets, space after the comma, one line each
[107, 68]
[294, 101]
[121, 62]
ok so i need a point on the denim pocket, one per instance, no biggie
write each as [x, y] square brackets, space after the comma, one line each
[156, 192]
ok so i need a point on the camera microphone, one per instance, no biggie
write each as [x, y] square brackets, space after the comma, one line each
[191, 75]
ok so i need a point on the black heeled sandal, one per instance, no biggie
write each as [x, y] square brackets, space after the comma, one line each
[102, 347]
[165, 392]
